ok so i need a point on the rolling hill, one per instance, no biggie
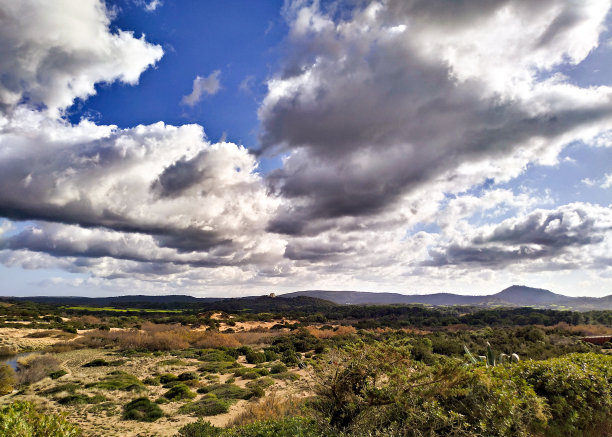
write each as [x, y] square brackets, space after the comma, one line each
[515, 295]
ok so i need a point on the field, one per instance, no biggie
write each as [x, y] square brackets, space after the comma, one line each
[334, 371]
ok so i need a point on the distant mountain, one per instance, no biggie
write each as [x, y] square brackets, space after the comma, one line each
[521, 295]
[516, 295]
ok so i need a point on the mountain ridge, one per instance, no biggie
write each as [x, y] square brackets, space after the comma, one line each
[515, 295]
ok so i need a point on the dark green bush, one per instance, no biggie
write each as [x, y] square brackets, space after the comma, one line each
[278, 368]
[58, 374]
[186, 376]
[255, 357]
[179, 392]
[143, 410]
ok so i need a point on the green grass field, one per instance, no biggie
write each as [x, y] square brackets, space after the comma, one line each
[121, 310]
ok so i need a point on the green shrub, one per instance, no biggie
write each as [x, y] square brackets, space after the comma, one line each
[186, 376]
[7, 379]
[199, 429]
[576, 388]
[80, 399]
[261, 382]
[21, 419]
[167, 377]
[226, 391]
[207, 406]
[58, 374]
[255, 357]
[288, 427]
[278, 368]
[151, 381]
[100, 362]
[142, 409]
[179, 392]
[118, 380]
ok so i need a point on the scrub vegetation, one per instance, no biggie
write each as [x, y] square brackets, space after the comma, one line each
[263, 368]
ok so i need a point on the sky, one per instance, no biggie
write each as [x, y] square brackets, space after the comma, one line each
[232, 148]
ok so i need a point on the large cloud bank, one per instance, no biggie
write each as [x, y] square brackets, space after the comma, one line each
[387, 113]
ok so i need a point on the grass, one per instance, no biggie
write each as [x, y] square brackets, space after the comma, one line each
[121, 310]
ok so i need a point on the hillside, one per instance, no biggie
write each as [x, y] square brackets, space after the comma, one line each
[515, 295]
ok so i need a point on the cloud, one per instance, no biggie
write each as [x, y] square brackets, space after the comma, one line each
[164, 181]
[51, 58]
[607, 182]
[202, 86]
[563, 238]
[152, 5]
[393, 95]
[246, 84]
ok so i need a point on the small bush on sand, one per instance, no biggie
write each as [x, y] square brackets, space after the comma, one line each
[278, 368]
[186, 376]
[81, 399]
[226, 391]
[199, 429]
[179, 392]
[7, 379]
[142, 409]
[57, 374]
[207, 406]
[118, 380]
[167, 377]
[22, 419]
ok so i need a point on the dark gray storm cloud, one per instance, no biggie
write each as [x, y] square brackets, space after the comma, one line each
[370, 106]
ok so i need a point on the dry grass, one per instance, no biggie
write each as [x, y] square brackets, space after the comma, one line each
[329, 333]
[250, 338]
[166, 337]
[586, 330]
[35, 367]
[273, 406]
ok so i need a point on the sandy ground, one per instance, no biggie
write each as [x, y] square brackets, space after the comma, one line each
[104, 420]
[17, 340]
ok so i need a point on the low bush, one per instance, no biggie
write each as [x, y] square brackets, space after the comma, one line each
[255, 357]
[226, 391]
[7, 379]
[179, 392]
[199, 429]
[80, 399]
[186, 376]
[118, 380]
[100, 362]
[207, 406]
[21, 419]
[57, 374]
[167, 377]
[143, 410]
[278, 368]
